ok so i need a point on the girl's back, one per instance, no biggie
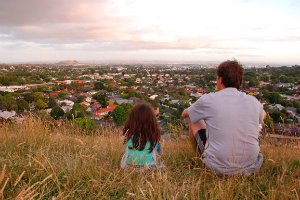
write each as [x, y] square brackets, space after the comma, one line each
[136, 157]
[142, 135]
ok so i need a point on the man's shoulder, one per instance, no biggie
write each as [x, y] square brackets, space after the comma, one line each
[211, 94]
[248, 96]
[220, 93]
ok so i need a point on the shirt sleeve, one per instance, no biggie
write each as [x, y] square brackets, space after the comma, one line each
[197, 110]
[261, 113]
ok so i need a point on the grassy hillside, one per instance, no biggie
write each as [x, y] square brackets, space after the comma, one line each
[41, 161]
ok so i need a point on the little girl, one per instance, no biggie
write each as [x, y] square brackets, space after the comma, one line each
[142, 136]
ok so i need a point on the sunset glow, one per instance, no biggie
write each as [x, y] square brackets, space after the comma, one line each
[143, 30]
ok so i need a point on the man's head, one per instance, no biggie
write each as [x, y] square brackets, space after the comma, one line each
[231, 74]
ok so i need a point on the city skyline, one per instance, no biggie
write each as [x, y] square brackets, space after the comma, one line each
[131, 30]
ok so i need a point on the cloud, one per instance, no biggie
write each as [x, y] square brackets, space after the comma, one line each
[94, 23]
[129, 25]
[127, 45]
[214, 52]
[32, 12]
[37, 20]
[277, 39]
[249, 55]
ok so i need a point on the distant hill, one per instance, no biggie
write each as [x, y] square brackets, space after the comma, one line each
[69, 62]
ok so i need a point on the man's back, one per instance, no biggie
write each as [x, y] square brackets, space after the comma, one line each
[232, 127]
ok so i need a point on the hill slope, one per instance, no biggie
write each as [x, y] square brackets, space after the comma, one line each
[40, 160]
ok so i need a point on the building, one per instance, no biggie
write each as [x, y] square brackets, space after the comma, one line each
[99, 114]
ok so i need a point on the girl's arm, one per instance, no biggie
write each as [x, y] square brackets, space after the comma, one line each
[158, 148]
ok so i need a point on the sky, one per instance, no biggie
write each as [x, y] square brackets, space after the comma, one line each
[150, 30]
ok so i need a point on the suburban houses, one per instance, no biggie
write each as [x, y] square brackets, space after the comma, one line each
[169, 89]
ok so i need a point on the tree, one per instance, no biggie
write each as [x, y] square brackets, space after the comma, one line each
[34, 96]
[22, 105]
[283, 78]
[111, 102]
[132, 93]
[253, 82]
[127, 107]
[277, 116]
[265, 78]
[274, 97]
[8, 101]
[29, 97]
[119, 115]
[52, 102]
[62, 94]
[102, 98]
[124, 96]
[110, 88]
[38, 95]
[77, 111]
[40, 104]
[57, 112]
[248, 75]
[99, 86]
[121, 112]
[80, 99]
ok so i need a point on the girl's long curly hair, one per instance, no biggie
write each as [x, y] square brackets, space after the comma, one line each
[141, 126]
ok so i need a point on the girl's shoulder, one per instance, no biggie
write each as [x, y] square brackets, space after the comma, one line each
[129, 142]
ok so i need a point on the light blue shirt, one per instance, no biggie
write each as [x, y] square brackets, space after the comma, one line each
[232, 127]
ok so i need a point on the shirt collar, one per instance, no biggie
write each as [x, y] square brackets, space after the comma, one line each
[229, 89]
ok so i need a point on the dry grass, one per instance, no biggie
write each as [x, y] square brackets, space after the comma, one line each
[41, 161]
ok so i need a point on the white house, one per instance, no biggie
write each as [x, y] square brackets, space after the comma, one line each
[153, 96]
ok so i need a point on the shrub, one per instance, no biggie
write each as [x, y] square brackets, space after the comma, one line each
[57, 112]
[85, 123]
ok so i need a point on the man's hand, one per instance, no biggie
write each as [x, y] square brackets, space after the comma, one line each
[185, 114]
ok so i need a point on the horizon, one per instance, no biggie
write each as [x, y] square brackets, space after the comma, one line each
[120, 62]
[150, 31]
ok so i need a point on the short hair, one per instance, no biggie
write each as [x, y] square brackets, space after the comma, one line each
[231, 73]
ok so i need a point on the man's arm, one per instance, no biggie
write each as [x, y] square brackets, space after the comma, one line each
[185, 113]
[265, 115]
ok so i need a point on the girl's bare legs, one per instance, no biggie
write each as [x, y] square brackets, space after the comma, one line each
[193, 129]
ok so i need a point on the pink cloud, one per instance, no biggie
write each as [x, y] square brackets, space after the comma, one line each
[94, 24]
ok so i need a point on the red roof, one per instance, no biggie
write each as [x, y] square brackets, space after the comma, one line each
[296, 95]
[71, 90]
[78, 81]
[112, 106]
[102, 112]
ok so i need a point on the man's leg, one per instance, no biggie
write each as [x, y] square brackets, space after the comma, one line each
[193, 129]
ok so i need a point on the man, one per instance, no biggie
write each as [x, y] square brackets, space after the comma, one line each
[225, 125]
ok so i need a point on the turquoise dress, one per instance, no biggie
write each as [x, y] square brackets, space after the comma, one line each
[136, 157]
[143, 158]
